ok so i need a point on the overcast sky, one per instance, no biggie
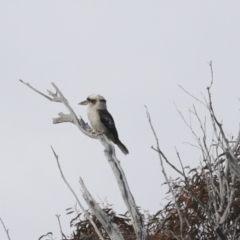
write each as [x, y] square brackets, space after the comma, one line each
[134, 53]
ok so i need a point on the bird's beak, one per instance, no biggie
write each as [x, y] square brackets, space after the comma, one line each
[84, 102]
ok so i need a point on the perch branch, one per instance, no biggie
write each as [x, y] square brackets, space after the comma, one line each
[136, 217]
[119, 174]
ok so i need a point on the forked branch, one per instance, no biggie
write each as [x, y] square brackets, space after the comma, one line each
[76, 197]
[136, 217]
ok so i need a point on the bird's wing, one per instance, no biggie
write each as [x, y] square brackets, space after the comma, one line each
[108, 121]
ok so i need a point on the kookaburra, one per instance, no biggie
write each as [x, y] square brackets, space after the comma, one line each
[101, 120]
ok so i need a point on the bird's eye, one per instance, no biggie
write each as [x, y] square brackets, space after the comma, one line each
[91, 100]
[103, 100]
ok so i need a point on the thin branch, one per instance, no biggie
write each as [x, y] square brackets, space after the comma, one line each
[233, 162]
[192, 96]
[207, 153]
[54, 99]
[49, 234]
[188, 187]
[179, 158]
[211, 68]
[203, 150]
[193, 145]
[5, 229]
[237, 141]
[174, 235]
[60, 226]
[165, 158]
[235, 226]
[72, 118]
[110, 227]
[75, 195]
[230, 196]
[220, 233]
[164, 173]
[215, 119]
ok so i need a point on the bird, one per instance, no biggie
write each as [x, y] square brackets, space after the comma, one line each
[101, 120]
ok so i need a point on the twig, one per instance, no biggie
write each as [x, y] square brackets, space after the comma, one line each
[237, 141]
[192, 95]
[49, 234]
[5, 229]
[193, 145]
[165, 175]
[235, 226]
[215, 119]
[179, 158]
[220, 233]
[72, 118]
[205, 152]
[165, 158]
[75, 195]
[60, 226]
[54, 99]
[211, 68]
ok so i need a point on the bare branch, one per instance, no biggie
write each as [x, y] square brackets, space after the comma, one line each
[193, 145]
[165, 158]
[63, 118]
[137, 219]
[165, 175]
[60, 226]
[75, 195]
[231, 192]
[5, 229]
[220, 233]
[58, 97]
[119, 174]
[49, 234]
[192, 95]
[237, 142]
[233, 162]
[215, 119]
[211, 68]
[235, 226]
[111, 228]
[179, 158]
[54, 99]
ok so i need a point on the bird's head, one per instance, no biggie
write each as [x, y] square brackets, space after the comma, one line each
[95, 100]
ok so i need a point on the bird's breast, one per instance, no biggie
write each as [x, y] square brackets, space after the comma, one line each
[95, 121]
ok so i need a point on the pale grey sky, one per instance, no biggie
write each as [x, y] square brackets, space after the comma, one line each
[134, 53]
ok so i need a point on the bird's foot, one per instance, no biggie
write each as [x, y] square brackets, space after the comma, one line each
[97, 133]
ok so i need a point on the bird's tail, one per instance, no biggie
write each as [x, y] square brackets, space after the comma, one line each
[123, 148]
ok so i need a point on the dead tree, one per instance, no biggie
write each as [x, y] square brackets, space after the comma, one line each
[206, 202]
[109, 151]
